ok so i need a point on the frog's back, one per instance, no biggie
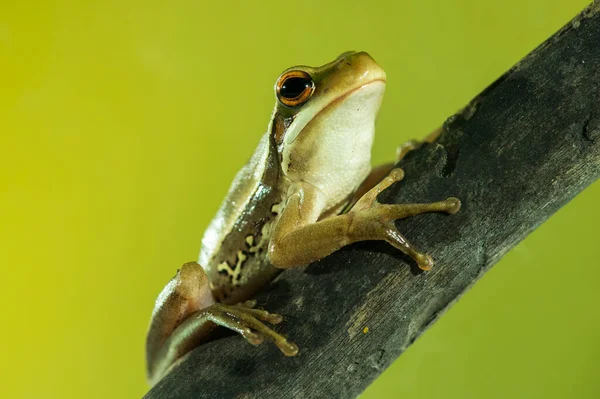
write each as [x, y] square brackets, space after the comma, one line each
[234, 245]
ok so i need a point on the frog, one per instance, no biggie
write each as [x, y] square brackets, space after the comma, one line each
[307, 191]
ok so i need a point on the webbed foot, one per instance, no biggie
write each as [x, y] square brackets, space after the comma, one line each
[376, 220]
[248, 322]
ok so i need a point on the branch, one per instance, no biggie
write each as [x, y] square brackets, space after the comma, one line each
[521, 150]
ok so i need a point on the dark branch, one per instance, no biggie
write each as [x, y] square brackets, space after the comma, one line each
[521, 150]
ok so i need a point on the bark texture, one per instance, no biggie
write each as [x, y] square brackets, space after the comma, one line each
[521, 150]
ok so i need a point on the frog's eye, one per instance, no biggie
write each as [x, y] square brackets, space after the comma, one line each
[294, 88]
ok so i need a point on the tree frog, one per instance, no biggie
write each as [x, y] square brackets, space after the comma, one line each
[307, 191]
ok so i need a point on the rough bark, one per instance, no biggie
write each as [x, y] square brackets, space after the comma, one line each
[521, 150]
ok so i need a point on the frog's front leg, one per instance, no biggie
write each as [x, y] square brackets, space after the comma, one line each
[300, 237]
[185, 314]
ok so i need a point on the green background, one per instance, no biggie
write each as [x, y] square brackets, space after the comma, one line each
[123, 123]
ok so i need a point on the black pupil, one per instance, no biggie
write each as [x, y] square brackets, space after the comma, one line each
[293, 87]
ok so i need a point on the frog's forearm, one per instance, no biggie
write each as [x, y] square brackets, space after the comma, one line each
[297, 241]
[311, 242]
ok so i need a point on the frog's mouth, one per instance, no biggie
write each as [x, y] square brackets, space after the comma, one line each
[371, 92]
[350, 92]
[340, 99]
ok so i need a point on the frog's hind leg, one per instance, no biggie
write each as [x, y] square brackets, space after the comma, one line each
[252, 329]
[186, 314]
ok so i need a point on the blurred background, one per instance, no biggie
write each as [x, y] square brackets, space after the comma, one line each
[122, 125]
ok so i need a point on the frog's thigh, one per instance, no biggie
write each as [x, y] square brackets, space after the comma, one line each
[300, 239]
[186, 293]
[186, 314]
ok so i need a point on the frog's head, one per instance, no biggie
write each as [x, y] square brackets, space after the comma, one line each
[324, 118]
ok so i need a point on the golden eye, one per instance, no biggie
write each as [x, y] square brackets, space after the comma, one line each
[294, 88]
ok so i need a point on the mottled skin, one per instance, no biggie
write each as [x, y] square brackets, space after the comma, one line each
[307, 191]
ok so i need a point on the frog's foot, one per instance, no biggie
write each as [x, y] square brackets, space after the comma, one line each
[410, 145]
[407, 147]
[376, 221]
[248, 322]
